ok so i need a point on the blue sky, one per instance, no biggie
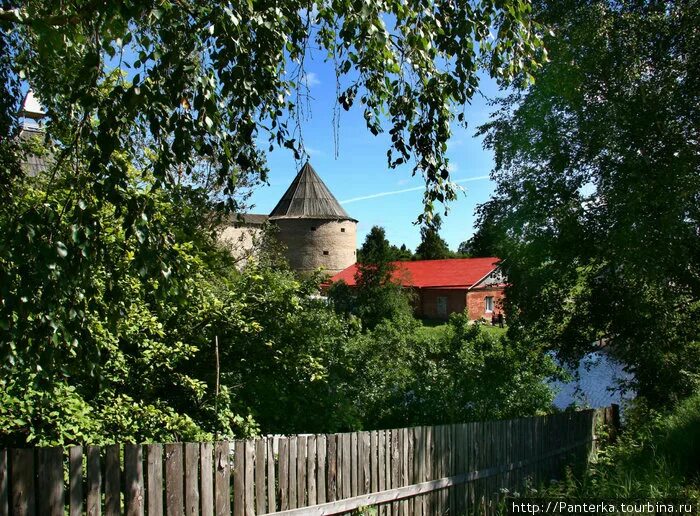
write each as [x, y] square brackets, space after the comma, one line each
[360, 169]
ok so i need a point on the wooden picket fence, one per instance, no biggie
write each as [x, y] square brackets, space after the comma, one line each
[449, 469]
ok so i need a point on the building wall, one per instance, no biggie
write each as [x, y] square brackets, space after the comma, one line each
[476, 302]
[241, 240]
[456, 302]
[314, 243]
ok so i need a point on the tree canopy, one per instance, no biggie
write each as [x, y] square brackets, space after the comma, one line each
[597, 166]
[432, 246]
[377, 295]
[183, 81]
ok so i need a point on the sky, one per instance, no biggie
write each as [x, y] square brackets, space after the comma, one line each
[360, 178]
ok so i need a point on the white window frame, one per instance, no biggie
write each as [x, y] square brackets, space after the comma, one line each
[488, 300]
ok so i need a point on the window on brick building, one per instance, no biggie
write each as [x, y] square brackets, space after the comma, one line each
[342, 230]
[488, 303]
[325, 252]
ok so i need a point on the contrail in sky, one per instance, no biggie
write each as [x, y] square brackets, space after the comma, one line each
[412, 189]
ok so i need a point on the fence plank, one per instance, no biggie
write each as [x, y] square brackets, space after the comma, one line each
[22, 482]
[332, 462]
[311, 470]
[249, 477]
[222, 479]
[133, 480]
[192, 479]
[354, 470]
[284, 473]
[94, 482]
[206, 479]
[260, 465]
[439, 466]
[174, 496]
[366, 463]
[321, 457]
[292, 472]
[4, 474]
[112, 480]
[418, 470]
[373, 461]
[381, 460]
[345, 476]
[271, 499]
[49, 481]
[238, 478]
[154, 479]
[403, 468]
[301, 470]
[75, 481]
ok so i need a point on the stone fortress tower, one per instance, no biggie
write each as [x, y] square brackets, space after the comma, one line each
[314, 227]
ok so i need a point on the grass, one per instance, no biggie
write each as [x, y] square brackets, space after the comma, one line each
[435, 329]
[657, 456]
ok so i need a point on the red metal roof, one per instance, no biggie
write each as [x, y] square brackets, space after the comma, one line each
[450, 273]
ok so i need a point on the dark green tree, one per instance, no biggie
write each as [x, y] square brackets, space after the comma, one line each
[376, 243]
[488, 237]
[377, 296]
[376, 248]
[432, 246]
[597, 167]
[461, 374]
[402, 254]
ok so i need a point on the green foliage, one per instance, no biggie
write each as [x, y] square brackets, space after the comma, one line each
[376, 241]
[115, 299]
[489, 236]
[597, 197]
[284, 368]
[656, 457]
[111, 332]
[460, 374]
[377, 295]
[432, 246]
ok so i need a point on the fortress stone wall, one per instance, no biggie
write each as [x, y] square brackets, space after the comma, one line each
[241, 241]
[314, 243]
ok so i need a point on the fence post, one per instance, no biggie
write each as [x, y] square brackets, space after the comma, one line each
[614, 422]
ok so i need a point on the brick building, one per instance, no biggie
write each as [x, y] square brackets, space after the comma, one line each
[443, 287]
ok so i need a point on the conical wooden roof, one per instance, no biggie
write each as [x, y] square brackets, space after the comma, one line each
[308, 198]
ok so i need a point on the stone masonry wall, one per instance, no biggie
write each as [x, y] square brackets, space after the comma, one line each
[314, 243]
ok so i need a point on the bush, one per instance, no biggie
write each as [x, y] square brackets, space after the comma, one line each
[656, 456]
[406, 377]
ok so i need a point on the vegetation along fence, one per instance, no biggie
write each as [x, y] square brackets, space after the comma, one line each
[450, 469]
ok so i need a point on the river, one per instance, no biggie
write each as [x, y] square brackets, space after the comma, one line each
[598, 374]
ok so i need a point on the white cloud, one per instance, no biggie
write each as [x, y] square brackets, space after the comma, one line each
[313, 152]
[404, 190]
[311, 79]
